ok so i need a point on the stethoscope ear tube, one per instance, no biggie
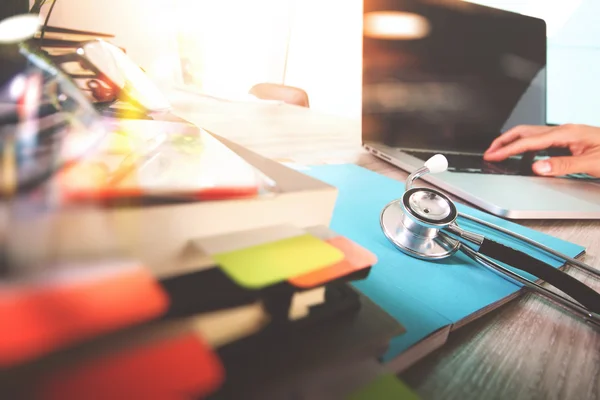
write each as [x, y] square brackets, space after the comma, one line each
[555, 277]
[588, 316]
[574, 262]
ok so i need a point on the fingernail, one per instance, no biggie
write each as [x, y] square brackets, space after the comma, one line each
[542, 167]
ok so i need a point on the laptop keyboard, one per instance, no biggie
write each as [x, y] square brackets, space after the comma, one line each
[476, 163]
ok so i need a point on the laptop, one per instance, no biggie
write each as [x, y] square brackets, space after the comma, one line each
[449, 77]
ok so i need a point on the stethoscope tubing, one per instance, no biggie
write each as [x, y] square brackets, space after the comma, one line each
[570, 260]
[589, 316]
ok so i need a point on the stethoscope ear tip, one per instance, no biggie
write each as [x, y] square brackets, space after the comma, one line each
[437, 164]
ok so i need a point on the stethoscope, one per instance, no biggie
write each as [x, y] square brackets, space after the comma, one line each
[423, 224]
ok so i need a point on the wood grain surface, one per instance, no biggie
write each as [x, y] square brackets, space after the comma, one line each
[528, 349]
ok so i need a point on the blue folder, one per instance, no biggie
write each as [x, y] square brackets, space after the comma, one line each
[424, 296]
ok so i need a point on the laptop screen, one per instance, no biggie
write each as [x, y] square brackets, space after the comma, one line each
[449, 75]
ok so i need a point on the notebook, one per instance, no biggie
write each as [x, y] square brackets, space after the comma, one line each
[431, 299]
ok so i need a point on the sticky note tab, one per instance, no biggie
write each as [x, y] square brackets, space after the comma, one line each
[269, 263]
[180, 367]
[385, 387]
[356, 259]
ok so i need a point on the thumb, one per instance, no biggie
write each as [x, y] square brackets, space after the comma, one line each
[557, 166]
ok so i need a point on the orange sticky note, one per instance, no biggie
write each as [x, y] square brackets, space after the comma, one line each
[182, 367]
[69, 305]
[355, 259]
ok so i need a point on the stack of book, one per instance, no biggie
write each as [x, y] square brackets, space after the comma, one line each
[272, 308]
[213, 306]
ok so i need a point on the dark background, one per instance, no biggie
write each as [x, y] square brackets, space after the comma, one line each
[8, 65]
[8, 8]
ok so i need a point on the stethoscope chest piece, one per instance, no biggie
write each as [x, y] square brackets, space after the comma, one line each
[413, 223]
[429, 207]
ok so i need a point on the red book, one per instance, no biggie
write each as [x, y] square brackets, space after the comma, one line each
[70, 305]
[176, 368]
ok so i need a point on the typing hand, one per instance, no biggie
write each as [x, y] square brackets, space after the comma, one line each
[583, 141]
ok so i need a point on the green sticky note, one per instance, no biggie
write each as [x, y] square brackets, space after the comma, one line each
[269, 263]
[385, 387]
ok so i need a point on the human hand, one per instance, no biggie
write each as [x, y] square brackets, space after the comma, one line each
[582, 140]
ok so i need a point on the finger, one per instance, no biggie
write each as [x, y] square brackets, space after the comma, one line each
[557, 166]
[515, 133]
[555, 137]
[577, 149]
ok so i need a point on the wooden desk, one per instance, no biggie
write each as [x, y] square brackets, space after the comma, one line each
[526, 349]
